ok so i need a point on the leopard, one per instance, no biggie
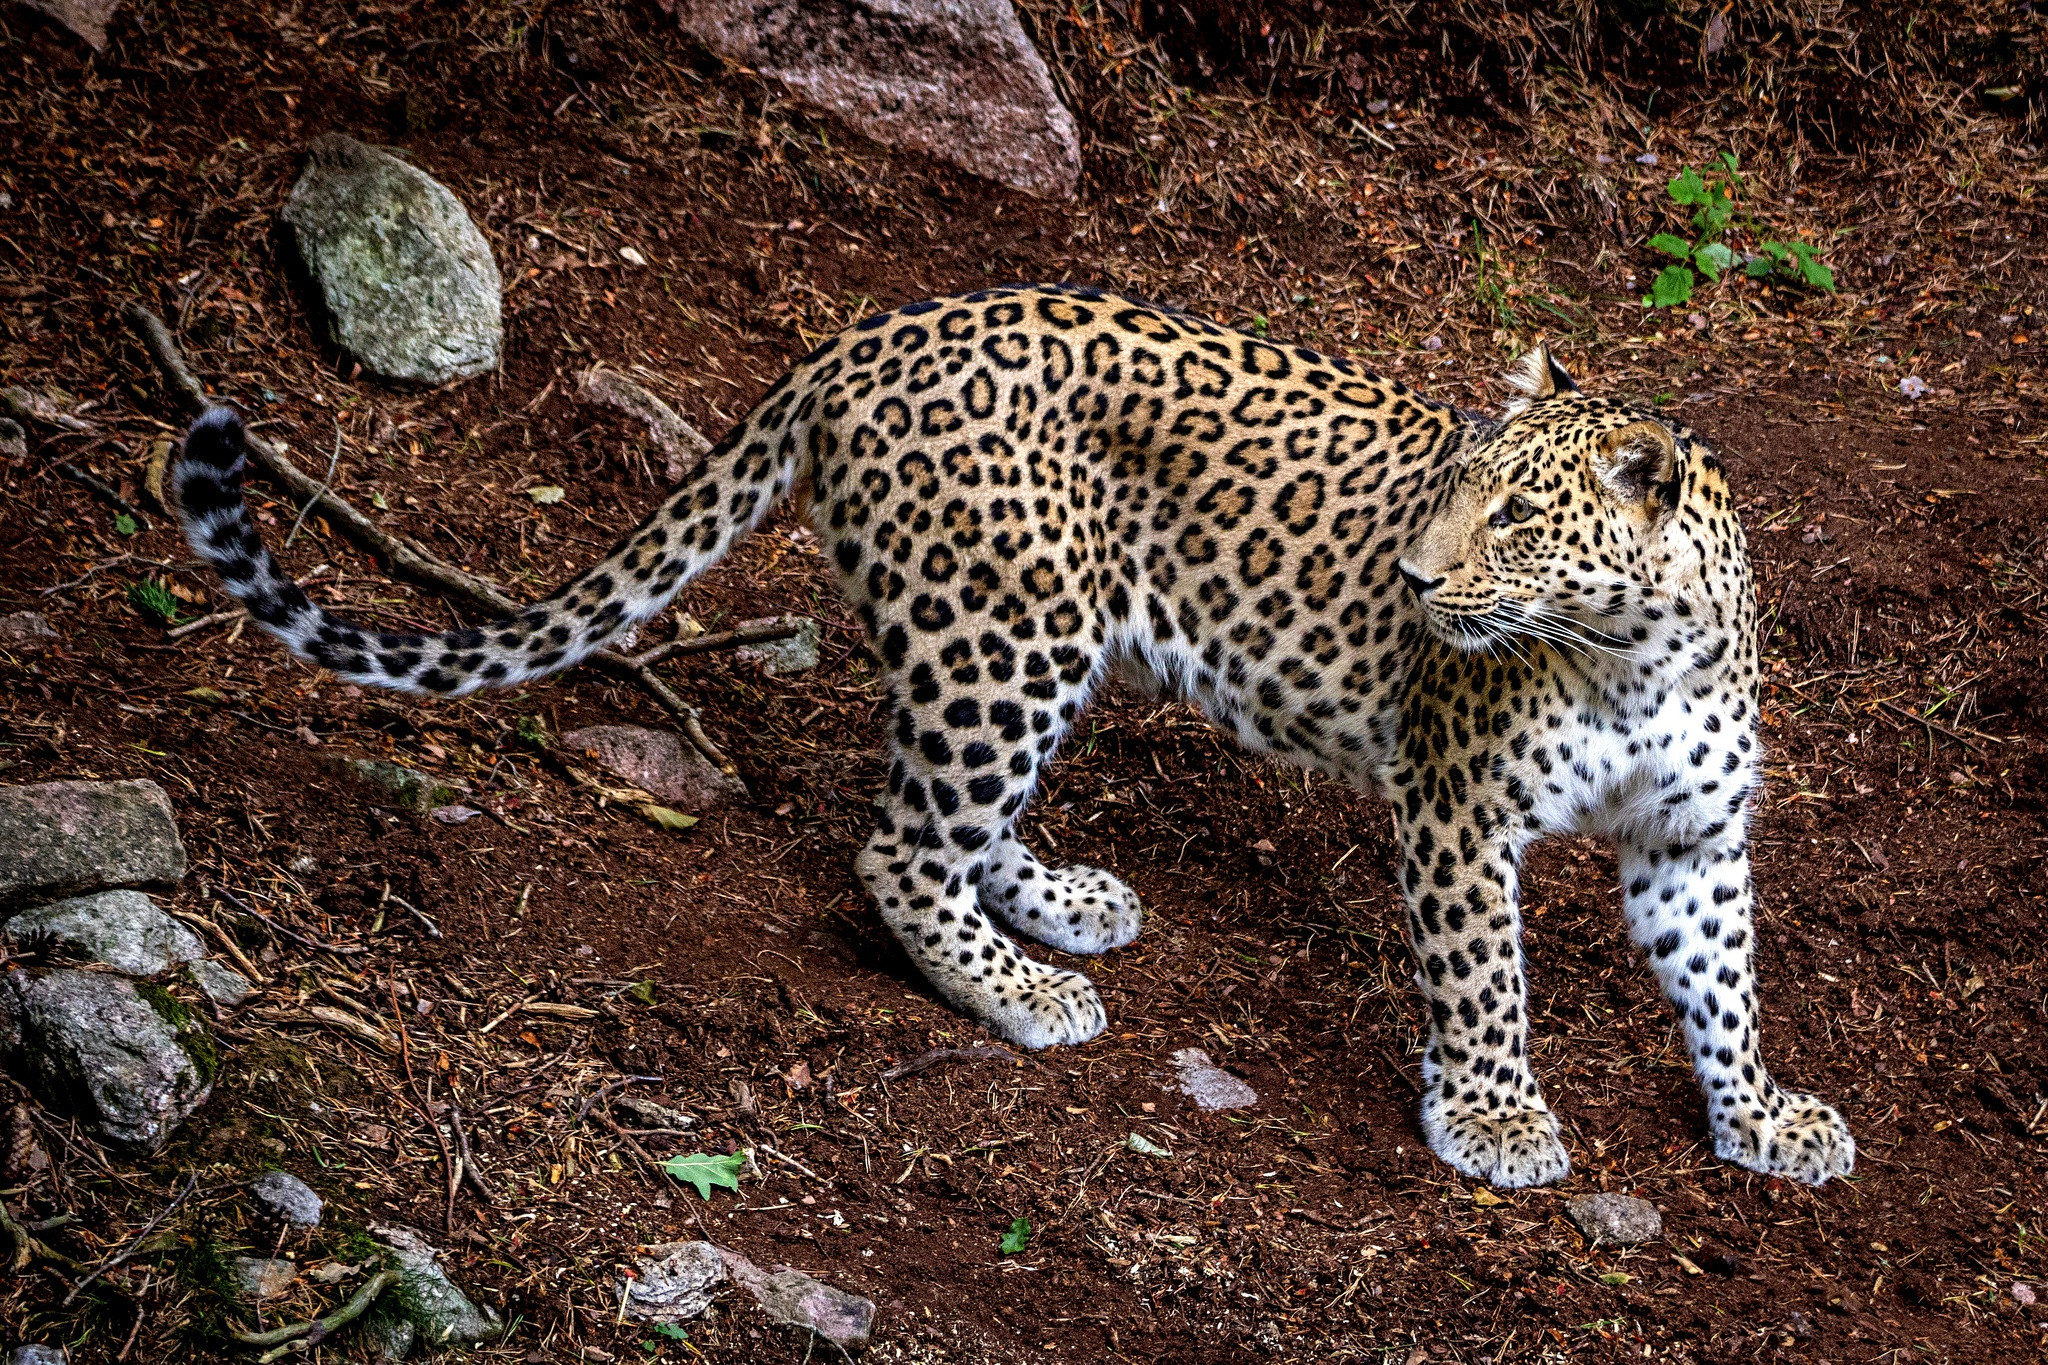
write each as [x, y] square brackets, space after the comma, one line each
[1532, 623]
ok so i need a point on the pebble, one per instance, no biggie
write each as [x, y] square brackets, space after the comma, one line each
[261, 1277]
[1209, 1085]
[1621, 1219]
[287, 1199]
[26, 632]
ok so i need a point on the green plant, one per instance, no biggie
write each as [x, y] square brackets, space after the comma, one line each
[152, 598]
[704, 1171]
[126, 525]
[1018, 1237]
[1712, 199]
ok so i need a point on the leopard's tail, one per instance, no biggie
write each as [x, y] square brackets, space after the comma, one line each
[728, 494]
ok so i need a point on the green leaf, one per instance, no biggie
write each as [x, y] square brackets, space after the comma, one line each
[210, 695]
[1712, 220]
[377, 501]
[1757, 267]
[1672, 246]
[1672, 287]
[643, 991]
[1712, 259]
[1018, 1237]
[671, 1331]
[533, 731]
[667, 818]
[1816, 274]
[1616, 1278]
[704, 1171]
[1687, 188]
[546, 493]
[126, 525]
[1259, 323]
[1734, 166]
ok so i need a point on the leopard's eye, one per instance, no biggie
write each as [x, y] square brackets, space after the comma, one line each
[1518, 509]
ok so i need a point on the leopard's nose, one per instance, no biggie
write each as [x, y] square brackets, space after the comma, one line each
[1419, 583]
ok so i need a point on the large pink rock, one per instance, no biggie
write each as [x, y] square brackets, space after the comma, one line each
[657, 762]
[955, 78]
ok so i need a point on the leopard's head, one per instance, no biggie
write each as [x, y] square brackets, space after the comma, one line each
[1574, 520]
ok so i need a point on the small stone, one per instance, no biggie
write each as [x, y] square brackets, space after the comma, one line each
[26, 632]
[388, 1333]
[676, 1282]
[39, 1355]
[286, 1199]
[260, 1277]
[60, 839]
[797, 654]
[133, 1066]
[645, 1113]
[1209, 1085]
[1621, 1219]
[224, 986]
[795, 1299]
[405, 787]
[656, 762]
[428, 1299]
[408, 282]
[2023, 1294]
[1913, 387]
[123, 929]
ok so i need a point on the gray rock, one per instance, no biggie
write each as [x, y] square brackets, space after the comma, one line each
[260, 1277]
[88, 19]
[396, 783]
[286, 1199]
[223, 985]
[14, 446]
[676, 1282]
[657, 762]
[129, 1059]
[39, 1355]
[26, 632]
[441, 1313]
[797, 654]
[61, 839]
[792, 1297]
[1621, 1219]
[123, 929]
[645, 1113]
[1209, 1085]
[955, 78]
[389, 1334]
[408, 282]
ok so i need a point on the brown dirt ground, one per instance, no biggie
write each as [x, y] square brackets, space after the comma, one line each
[1900, 842]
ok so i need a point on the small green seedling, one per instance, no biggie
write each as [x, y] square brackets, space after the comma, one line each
[1018, 1237]
[704, 1171]
[126, 525]
[1712, 202]
[152, 598]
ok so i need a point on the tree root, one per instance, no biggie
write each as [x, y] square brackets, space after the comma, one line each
[304, 1336]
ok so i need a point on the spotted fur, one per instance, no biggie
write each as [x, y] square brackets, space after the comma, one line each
[1537, 625]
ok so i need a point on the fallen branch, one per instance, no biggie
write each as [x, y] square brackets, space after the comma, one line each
[302, 1336]
[760, 633]
[102, 490]
[676, 439]
[407, 560]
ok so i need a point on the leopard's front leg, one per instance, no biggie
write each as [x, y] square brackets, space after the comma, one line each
[1482, 1110]
[1689, 906]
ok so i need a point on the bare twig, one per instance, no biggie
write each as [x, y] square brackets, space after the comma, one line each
[760, 633]
[327, 482]
[426, 920]
[211, 619]
[101, 489]
[977, 1052]
[191, 1183]
[276, 928]
[35, 407]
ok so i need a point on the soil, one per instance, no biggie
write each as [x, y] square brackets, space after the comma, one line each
[732, 970]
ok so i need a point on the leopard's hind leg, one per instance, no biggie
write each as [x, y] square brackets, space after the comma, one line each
[965, 759]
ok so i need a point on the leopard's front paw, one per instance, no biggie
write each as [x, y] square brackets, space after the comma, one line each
[1511, 1150]
[1041, 1007]
[1799, 1136]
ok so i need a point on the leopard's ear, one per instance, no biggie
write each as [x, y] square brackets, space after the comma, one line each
[1538, 375]
[1638, 462]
